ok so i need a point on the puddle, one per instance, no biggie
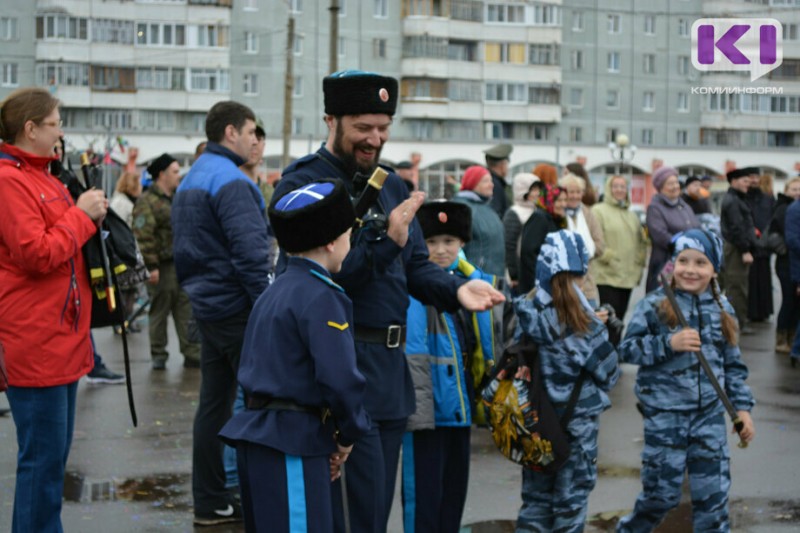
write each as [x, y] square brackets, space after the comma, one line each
[618, 471]
[161, 490]
[491, 526]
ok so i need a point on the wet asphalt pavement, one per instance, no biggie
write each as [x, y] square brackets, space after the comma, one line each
[139, 479]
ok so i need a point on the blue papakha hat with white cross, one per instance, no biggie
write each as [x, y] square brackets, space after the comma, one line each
[312, 215]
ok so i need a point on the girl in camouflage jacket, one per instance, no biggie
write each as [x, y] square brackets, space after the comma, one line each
[684, 424]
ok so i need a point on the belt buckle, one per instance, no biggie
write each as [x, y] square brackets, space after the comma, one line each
[393, 335]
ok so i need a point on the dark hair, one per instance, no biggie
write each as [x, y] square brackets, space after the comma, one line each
[223, 114]
[22, 105]
[589, 196]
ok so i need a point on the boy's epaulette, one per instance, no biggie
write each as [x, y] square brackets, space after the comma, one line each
[326, 279]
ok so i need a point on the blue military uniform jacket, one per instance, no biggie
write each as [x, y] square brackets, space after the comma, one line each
[299, 347]
[674, 381]
[378, 276]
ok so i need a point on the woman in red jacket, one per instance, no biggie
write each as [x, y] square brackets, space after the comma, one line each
[45, 303]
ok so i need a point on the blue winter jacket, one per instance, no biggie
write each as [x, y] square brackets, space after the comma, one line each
[792, 238]
[675, 381]
[433, 341]
[222, 249]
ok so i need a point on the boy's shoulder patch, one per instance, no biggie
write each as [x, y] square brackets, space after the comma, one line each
[325, 279]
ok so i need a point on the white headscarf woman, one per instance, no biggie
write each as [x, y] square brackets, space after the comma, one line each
[526, 188]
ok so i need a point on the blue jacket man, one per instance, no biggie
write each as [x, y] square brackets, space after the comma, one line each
[388, 260]
[222, 258]
[792, 237]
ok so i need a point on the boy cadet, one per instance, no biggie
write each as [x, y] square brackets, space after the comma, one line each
[303, 393]
[388, 261]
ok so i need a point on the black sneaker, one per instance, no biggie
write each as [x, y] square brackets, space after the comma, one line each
[101, 374]
[231, 513]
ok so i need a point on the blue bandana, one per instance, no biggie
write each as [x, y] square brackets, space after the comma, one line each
[702, 241]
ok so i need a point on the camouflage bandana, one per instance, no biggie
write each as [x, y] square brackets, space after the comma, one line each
[702, 241]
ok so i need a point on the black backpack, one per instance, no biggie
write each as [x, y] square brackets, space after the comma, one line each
[524, 424]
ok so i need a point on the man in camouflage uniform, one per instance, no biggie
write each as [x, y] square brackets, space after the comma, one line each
[153, 230]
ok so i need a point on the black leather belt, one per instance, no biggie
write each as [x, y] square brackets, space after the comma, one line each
[391, 337]
[257, 402]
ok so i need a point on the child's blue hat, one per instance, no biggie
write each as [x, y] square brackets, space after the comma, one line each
[702, 241]
[562, 251]
[312, 215]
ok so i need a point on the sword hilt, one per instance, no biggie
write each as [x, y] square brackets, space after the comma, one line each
[738, 425]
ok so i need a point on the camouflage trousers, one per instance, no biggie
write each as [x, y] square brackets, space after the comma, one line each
[675, 442]
[167, 298]
[557, 502]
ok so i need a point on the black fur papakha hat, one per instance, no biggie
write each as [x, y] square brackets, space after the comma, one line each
[160, 164]
[312, 215]
[355, 92]
[741, 173]
[445, 218]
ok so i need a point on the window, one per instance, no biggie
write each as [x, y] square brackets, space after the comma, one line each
[464, 91]
[155, 78]
[250, 5]
[506, 92]
[421, 129]
[208, 36]
[462, 50]
[250, 42]
[155, 34]
[297, 47]
[499, 130]
[683, 102]
[543, 54]
[155, 120]
[298, 87]
[546, 15]
[789, 31]
[614, 24]
[649, 101]
[505, 53]
[9, 77]
[379, 48]
[380, 9]
[8, 29]
[342, 8]
[250, 84]
[508, 14]
[611, 135]
[577, 21]
[546, 95]
[683, 65]
[58, 26]
[209, 80]
[576, 59]
[296, 6]
[576, 134]
[612, 99]
[112, 31]
[647, 136]
[613, 61]
[297, 125]
[576, 97]
[462, 129]
[103, 78]
[683, 27]
[649, 24]
[112, 119]
[682, 137]
[649, 65]
[72, 74]
[341, 46]
[198, 123]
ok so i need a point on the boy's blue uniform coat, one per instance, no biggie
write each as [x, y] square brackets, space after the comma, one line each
[298, 347]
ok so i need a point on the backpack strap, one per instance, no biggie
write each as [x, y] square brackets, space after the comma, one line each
[573, 400]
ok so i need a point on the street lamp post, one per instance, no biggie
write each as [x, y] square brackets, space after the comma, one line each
[622, 151]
